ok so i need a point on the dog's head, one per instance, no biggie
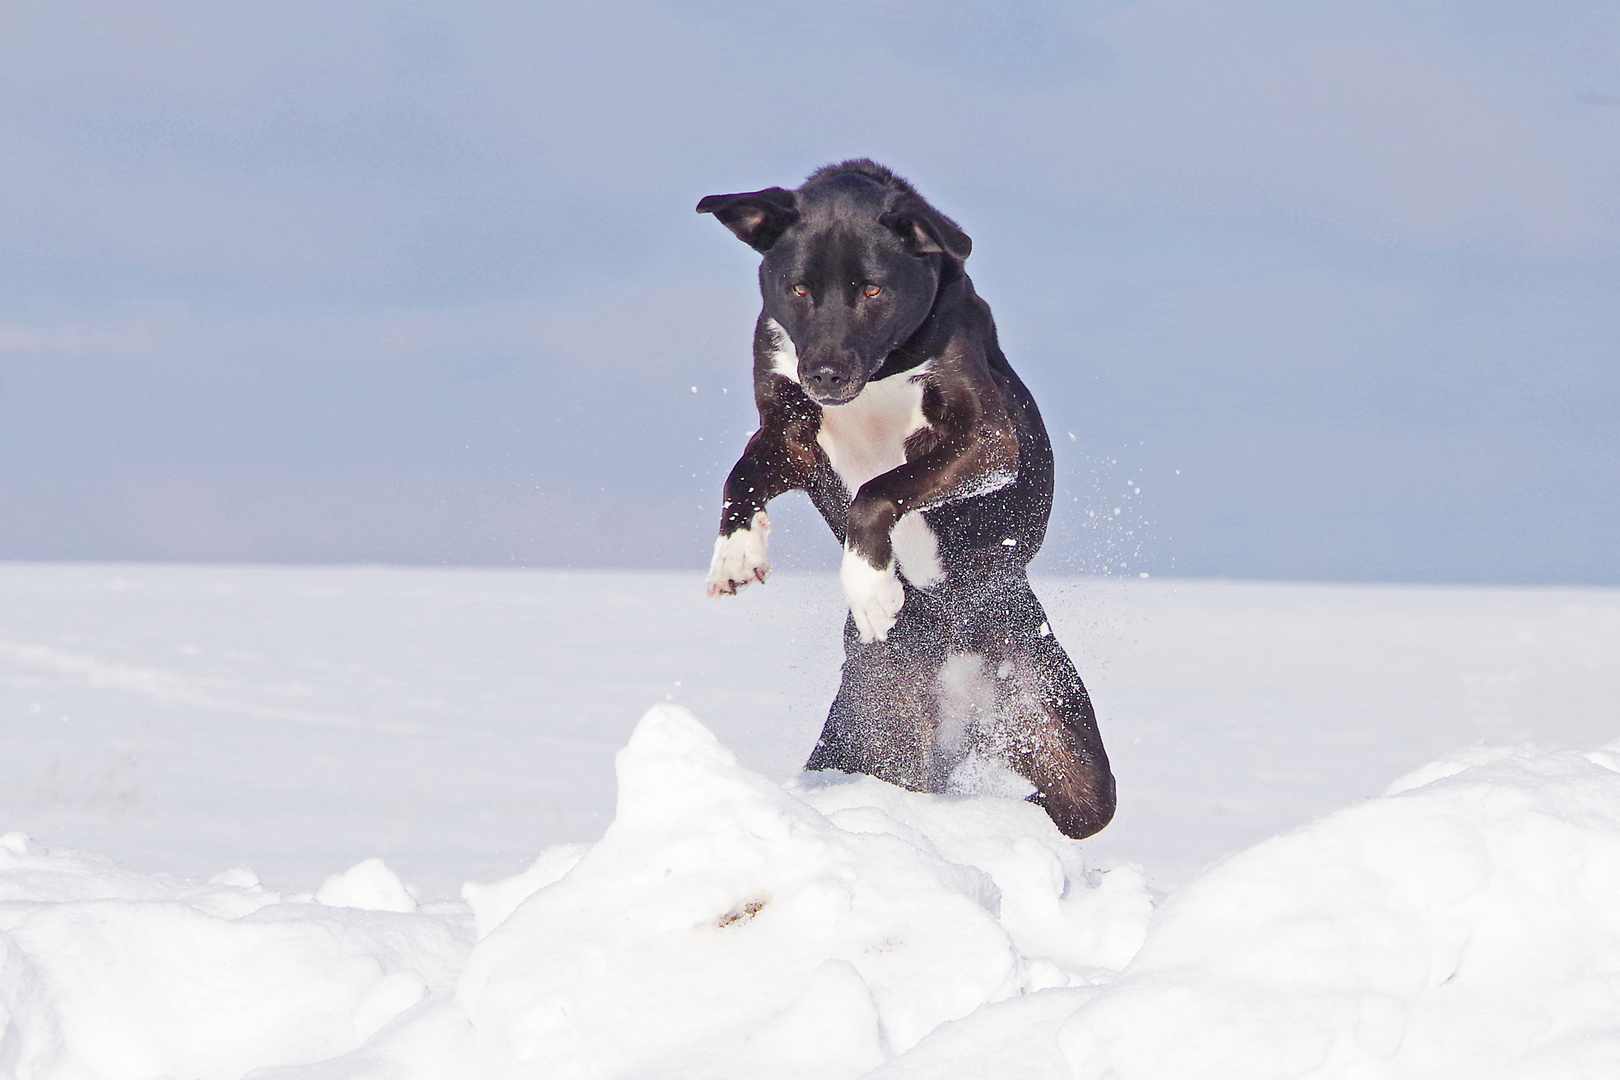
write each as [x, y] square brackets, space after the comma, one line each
[853, 260]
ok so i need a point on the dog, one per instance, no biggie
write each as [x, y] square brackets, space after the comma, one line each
[884, 395]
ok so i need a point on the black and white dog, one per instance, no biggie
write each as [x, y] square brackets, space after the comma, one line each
[883, 393]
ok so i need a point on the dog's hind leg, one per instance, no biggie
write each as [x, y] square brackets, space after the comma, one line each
[1059, 749]
[1045, 722]
[882, 721]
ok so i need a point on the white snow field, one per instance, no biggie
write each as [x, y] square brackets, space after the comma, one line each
[670, 898]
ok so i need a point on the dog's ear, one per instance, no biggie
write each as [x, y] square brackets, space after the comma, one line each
[759, 218]
[925, 230]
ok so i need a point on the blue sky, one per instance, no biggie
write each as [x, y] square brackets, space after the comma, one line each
[1334, 285]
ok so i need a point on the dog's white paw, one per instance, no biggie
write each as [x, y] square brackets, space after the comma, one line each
[740, 558]
[874, 596]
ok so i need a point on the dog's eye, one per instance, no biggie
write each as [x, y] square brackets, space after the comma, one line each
[801, 290]
[871, 290]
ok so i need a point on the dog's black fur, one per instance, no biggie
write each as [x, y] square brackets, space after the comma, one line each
[883, 393]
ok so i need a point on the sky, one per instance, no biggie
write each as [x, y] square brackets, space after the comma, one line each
[1322, 291]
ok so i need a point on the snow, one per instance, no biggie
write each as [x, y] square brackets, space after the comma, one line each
[812, 932]
[1467, 925]
[724, 925]
[1260, 910]
[369, 885]
[109, 973]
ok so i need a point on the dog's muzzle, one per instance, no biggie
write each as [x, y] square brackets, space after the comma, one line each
[831, 384]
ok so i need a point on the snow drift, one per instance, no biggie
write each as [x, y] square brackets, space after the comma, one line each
[1467, 925]
[723, 926]
[726, 926]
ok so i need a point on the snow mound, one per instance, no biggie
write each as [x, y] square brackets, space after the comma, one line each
[369, 885]
[106, 974]
[1466, 926]
[726, 926]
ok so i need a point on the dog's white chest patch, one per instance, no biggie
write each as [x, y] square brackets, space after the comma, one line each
[867, 437]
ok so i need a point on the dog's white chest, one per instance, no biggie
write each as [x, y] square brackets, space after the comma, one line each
[867, 437]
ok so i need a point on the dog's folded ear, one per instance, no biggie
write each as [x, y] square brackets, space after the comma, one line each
[759, 218]
[925, 230]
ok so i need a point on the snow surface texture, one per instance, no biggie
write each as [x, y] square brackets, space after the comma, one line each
[741, 921]
[297, 720]
[723, 926]
[1465, 925]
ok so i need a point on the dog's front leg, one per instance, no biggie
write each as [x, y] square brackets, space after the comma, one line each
[768, 467]
[740, 557]
[961, 464]
[867, 573]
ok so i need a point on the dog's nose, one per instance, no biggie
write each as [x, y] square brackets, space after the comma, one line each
[826, 380]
